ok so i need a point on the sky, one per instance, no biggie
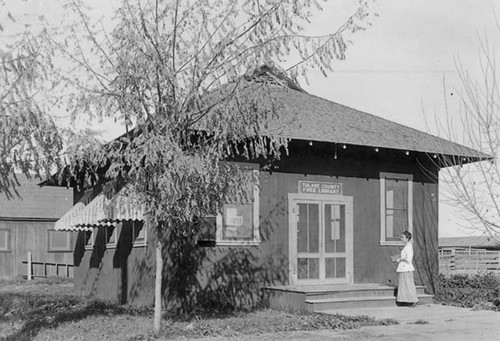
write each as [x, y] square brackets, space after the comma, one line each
[397, 68]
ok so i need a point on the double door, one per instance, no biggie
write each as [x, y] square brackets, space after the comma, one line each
[320, 245]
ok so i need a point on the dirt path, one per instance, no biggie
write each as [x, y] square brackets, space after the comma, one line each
[430, 322]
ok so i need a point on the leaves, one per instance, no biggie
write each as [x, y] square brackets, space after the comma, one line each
[178, 75]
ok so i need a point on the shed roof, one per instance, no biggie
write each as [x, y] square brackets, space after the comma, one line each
[469, 241]
[35, 202]
[303, 116]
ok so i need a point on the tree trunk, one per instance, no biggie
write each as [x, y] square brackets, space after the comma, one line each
[158, 280]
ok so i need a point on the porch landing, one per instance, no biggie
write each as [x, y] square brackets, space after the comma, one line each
[336, 297]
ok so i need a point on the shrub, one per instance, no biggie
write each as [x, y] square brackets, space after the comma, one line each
[480, 290]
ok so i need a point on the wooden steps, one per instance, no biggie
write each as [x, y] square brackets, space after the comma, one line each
[333, 297]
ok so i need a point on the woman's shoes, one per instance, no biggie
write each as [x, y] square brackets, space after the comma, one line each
[414, 304]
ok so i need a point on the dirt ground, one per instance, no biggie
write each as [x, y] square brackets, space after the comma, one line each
[426, 322]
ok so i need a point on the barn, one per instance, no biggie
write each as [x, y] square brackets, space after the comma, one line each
[317, 233]
[27, 225]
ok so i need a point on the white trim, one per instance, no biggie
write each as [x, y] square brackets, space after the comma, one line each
[51, 248]
[321, 199]
[7, 246]
[219, 240]
[397, 176]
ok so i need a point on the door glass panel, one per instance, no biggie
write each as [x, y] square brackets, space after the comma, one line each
[308, 268]
[302, 268]
[313, 227]
[330, 268]
[313, 268]
[335, 267]
[308, 228]
[302, 229]
[340, 267]
[334, 228]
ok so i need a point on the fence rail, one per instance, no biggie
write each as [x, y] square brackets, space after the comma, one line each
[451, 261]
[46, 269]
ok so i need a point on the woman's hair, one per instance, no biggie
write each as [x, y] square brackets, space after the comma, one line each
[407, 234]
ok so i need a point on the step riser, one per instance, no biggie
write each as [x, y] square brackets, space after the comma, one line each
[350, 304]
[358, 293]
[389, 302]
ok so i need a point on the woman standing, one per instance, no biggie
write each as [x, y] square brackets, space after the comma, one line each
[407, 293]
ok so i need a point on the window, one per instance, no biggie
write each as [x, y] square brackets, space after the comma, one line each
[238, 224]
[4, 240]
[110, 236]
[59, 241]
[396, 207]
[90, 238]
[139, 233]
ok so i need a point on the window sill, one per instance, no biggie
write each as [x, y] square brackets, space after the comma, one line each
[59, 250]
[237, 243]
[5, 250]
[141, 244]
[391, 243]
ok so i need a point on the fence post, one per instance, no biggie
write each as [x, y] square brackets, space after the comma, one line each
[452, 260]
[30, 274]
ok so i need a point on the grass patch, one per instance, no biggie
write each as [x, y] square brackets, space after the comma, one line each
[419, 322]
[47, 310]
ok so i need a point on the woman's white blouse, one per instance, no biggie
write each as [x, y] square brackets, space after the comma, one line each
[406, 259]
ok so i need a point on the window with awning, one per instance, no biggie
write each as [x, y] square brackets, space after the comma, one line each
[101, 211]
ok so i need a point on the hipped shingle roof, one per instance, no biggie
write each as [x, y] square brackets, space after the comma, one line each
[303, 116]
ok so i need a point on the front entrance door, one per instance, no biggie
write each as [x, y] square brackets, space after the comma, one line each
[320, 239]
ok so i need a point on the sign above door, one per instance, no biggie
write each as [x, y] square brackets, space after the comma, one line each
[317, 187]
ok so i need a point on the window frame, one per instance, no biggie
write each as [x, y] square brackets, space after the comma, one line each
[8, 241]
[219, 226]
[68, 247]
[383, 231]
[89, 245]
[111, 244]
[141, 242]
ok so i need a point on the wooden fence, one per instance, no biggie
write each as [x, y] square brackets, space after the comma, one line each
[47, 269]
[455, 261]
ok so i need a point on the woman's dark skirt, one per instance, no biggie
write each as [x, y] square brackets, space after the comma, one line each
[407, 292]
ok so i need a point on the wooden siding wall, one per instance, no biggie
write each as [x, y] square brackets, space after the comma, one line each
[234, 275]
[124, 273]
[29, 236]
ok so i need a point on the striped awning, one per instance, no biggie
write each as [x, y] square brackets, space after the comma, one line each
[101, 211]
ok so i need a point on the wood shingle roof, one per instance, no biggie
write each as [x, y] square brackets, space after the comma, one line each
[304, 116]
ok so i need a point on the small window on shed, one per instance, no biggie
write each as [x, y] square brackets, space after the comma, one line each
[111, 238]
[90, 238]
[139, 233]
[59, 241]
[4, 240]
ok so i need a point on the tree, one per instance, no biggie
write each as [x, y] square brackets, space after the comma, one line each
[30, 141]
[180, 73]
[475, 188]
